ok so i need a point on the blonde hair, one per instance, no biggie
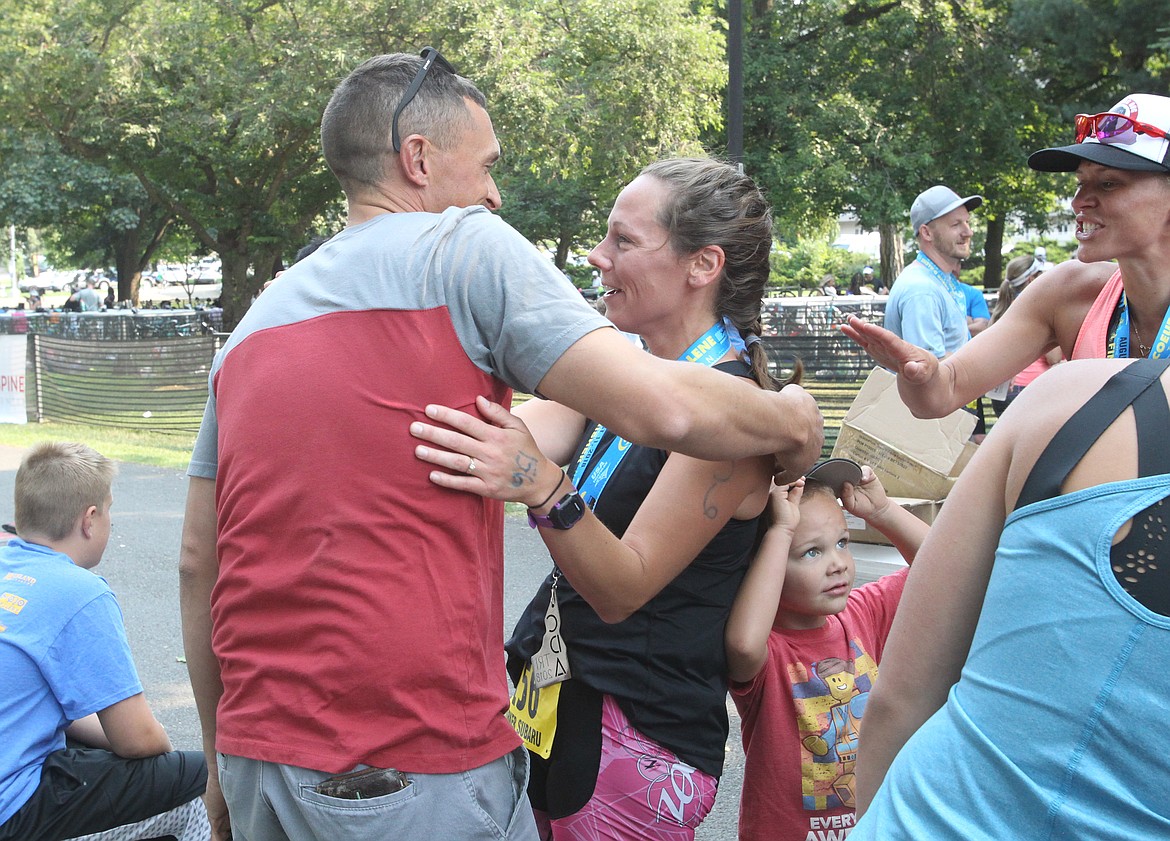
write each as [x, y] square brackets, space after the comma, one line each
[1010, 288]
[56, 483]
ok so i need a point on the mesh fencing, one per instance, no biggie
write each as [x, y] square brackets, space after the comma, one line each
[157, 384]
[149, 371]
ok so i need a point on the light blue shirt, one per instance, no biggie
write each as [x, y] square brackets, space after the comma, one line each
[1056, 728]
[976, 303]
[924, 311]
[63, 655]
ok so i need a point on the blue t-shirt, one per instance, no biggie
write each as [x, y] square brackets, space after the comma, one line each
[928, 310]
[976, 303]
[63, 654]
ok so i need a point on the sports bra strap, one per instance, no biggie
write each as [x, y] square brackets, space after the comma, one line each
[1082, 430]
[1153, 424]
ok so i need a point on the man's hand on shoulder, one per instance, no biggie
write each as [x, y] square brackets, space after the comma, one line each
[806, 434]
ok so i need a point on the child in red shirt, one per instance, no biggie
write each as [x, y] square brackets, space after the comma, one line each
[803, 649]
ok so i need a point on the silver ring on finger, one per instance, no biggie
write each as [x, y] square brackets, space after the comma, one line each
[471, 465]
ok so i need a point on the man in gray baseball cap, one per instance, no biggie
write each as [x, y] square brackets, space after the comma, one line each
[927, 307]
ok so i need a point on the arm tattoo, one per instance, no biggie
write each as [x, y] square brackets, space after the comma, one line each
[710, 509]
[524, 469]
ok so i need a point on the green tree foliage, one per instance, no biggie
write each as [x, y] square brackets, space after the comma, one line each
[863, 105]
[607, 87]
[205, 104]
[214, 107]
[109, 219]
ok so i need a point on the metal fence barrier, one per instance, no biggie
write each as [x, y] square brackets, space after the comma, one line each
[834, 367]
[120, 325]
[149, 370]
[150, 384]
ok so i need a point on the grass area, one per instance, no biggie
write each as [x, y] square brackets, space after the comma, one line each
[142, 447]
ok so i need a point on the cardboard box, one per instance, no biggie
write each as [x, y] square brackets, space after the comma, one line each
[924, 509]
[914, 458]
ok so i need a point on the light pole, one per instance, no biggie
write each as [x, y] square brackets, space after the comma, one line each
[12, 257]
[735, 81]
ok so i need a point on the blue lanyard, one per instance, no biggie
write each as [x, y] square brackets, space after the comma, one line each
[1119, 347]
[949, 281]
[707, 350]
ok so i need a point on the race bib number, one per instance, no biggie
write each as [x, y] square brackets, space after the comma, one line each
[533, 713]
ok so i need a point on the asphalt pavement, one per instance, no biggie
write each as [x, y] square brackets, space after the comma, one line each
[141, 565]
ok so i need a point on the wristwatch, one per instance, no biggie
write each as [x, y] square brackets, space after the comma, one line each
[567, 512]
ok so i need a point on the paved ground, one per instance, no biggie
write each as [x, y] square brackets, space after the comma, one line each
[141, 566]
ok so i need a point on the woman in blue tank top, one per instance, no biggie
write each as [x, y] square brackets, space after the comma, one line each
[1026, 678]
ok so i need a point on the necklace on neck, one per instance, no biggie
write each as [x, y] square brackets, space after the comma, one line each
[1142, 347]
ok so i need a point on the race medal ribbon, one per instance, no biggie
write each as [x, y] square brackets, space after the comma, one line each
[708, 349]
[1119, 347]
[551, 664]
[949, 281]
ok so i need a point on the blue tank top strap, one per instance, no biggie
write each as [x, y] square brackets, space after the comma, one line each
[1081, 431]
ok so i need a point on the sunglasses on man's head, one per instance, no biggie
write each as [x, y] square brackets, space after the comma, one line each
[430, 57]
[1111, 126]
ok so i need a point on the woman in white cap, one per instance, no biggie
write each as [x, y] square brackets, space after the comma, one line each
[1087, 308]
[1018, 276]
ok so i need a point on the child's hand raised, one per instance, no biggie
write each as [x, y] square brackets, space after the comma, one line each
[784, 505]
[867, 500]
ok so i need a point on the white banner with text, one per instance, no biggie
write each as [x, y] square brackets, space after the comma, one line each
[12, 361]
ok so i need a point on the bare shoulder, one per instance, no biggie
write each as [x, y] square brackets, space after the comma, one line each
[1041, 409]
[1062, 297]
[1074, 278]
[1071, 379]
[1053, 397]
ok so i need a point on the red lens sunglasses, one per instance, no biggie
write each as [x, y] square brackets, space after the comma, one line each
[1108, 126]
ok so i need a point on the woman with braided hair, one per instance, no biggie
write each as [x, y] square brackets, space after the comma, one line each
[627, 729]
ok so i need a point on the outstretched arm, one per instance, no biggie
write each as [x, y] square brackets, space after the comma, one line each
[688, 505]
[683, 407]
[754, 610]
[1047, 315]
[869, 502]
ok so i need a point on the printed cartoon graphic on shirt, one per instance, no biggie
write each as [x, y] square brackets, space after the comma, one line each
[830, 697]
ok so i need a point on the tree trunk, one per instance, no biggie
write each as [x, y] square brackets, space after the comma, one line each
[126, 265]
[562, 256]
[238, 289]
[891, 252]
[993, 253]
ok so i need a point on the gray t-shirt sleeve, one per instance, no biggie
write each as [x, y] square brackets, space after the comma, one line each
[514, 312]
[205, 455]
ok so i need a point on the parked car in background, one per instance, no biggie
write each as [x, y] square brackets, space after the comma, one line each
[166, 274]
[49, 280]
[207, 270]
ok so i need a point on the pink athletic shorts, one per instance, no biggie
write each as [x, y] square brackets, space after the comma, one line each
[643, 791]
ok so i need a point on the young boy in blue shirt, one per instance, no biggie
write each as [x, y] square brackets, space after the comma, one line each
[68, 672]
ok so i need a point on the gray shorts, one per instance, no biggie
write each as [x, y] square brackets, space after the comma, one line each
[270, 802]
